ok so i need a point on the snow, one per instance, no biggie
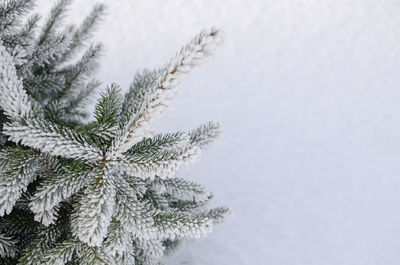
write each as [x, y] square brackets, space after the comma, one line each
[307, 94]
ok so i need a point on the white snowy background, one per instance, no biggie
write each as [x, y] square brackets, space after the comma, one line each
[308, 94]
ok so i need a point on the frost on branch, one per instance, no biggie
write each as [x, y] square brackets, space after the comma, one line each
[18, 168]
[95, 208]
[101, 189]
[52, 139]
[57, 188]
[163, 88]
[14, 100]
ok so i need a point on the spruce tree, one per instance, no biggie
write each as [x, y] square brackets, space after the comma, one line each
[100, 189]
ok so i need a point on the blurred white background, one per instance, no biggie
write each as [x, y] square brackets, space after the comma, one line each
[307, 92]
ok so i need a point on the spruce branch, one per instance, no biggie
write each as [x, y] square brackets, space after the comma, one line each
[135, 215]
[16, 224]
[80, 101]
[16, 103]
[149, 251]
[75, 191]
[173, 225]
[106, 113]
[57, 188]
[136, 95]
[126, 258]
[205, 134]
[77, 74]
[160, 95]
[217, 215]
[7, 246]
[42, 86]
[21, 42]
[164, 154]
[62, 253]
[157, 200]
[161, 155]
[84, 32]
[181, 189]
[107, 110]
[164, 163]
[18, 169]
[94, 209]
[158, 143]
[57, 13]
[53, 139]
[118, 240]
[12, 11]
[47, 53]
[28, 30]
[43, 243]
[95, 256]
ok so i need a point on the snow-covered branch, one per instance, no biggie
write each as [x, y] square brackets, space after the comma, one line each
[159, 96]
